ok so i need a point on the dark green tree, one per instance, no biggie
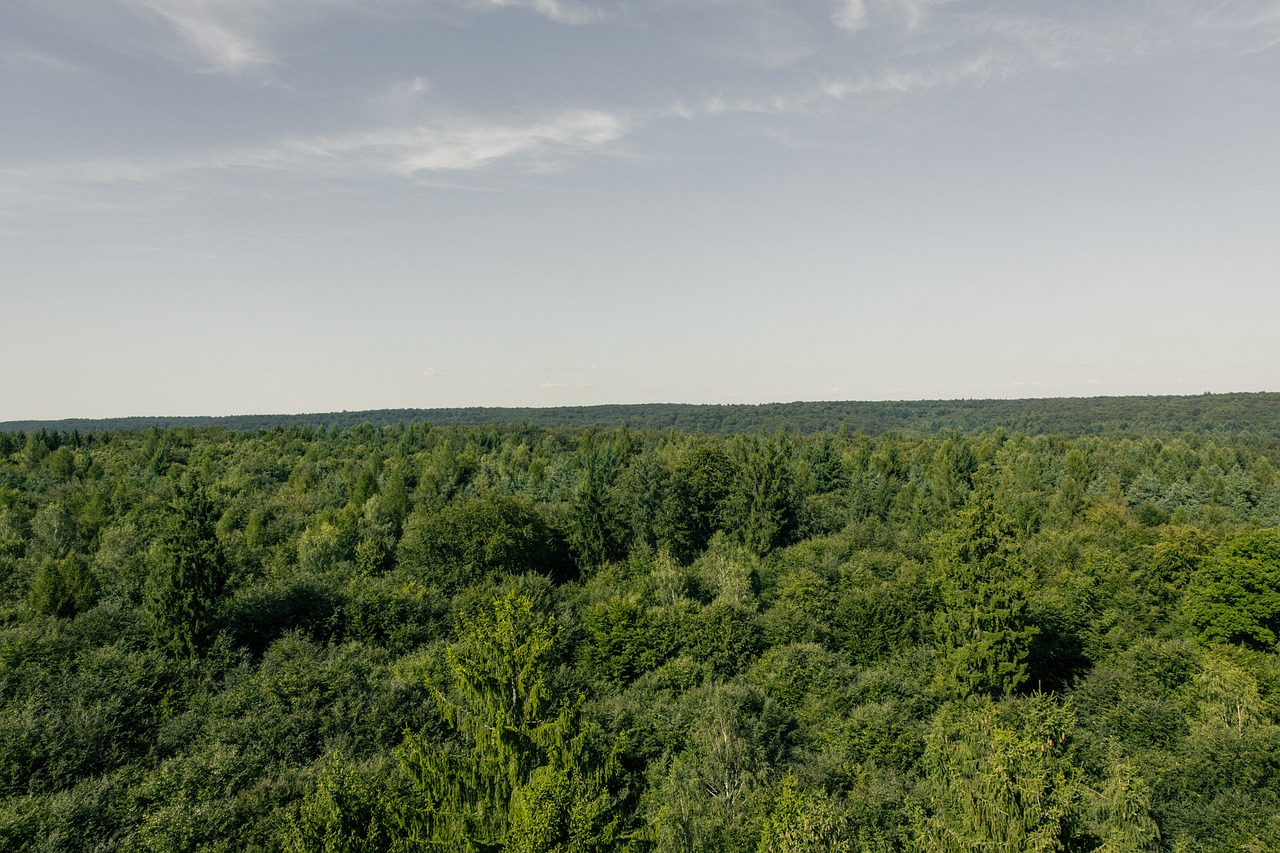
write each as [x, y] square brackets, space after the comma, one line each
[479, 539]
[764, 503]
[983, 633]
[596, 529]
[694, 506]
[185, 588]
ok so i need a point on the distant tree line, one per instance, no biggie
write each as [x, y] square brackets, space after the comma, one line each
[1238, 413]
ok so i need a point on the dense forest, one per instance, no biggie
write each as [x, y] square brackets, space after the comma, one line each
[1258, 413]
[527, 638]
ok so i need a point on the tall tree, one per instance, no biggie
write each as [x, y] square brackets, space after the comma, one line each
[998, 779]
[984, 635]
[694, 506]
[184, 590]
[518, 775]
[764, 502]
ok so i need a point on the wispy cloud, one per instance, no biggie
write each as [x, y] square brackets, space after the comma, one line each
[916, 12]
[18, 57]
[403, 94]
[432, 374]
[850, 16]
[220, 33]
[893, 80]
[909, 79]
[458, 147]
[1063, 38]
[234, 36]
[464, 145]
[563, 13]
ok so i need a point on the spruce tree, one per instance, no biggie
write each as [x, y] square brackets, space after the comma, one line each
[184, 590]
[982, 627]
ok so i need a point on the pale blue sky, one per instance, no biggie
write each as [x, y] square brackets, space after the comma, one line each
[248, 206]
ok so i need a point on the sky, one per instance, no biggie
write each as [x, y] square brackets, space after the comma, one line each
[215, 207]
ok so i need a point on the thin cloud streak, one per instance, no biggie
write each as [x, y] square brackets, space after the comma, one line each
[553, 9]
[233, 36]
[404, 151]
[219, 32]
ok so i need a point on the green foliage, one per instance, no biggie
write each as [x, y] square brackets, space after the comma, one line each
[1221, 414]
[1234, 597]
[477, 540]
[984, 636]
[63, 587]
[776, 641]
[621, 641]
[1124, 813]
[342, 812]
[763, 505]
[711, 795]
[802, 821]
[998, 779]
[595, 524]
[724, 636]
[695, 504]
[185, 589]
[519, 770]
[876, 616]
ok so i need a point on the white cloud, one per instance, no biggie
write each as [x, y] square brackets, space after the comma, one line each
[404, 94]
[553, 9]
[398, 152]
[221, 33]
[432, 374]
[36, 58]
[851, 16]
[915, 79]
[462, 146]
[434, 149]
[1061, 38]
[916, 12]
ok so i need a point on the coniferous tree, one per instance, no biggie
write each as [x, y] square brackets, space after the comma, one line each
[983, 632]
[184, 590]
[519, 774]
[998, 779]
[764, 503]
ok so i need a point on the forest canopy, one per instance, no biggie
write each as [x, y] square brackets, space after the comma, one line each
[417, 636]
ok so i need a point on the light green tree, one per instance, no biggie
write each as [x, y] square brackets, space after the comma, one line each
[1124, 812]
[1234, 597]
[803, 821]
[341, 813]
[518, 774]
[997, 779]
